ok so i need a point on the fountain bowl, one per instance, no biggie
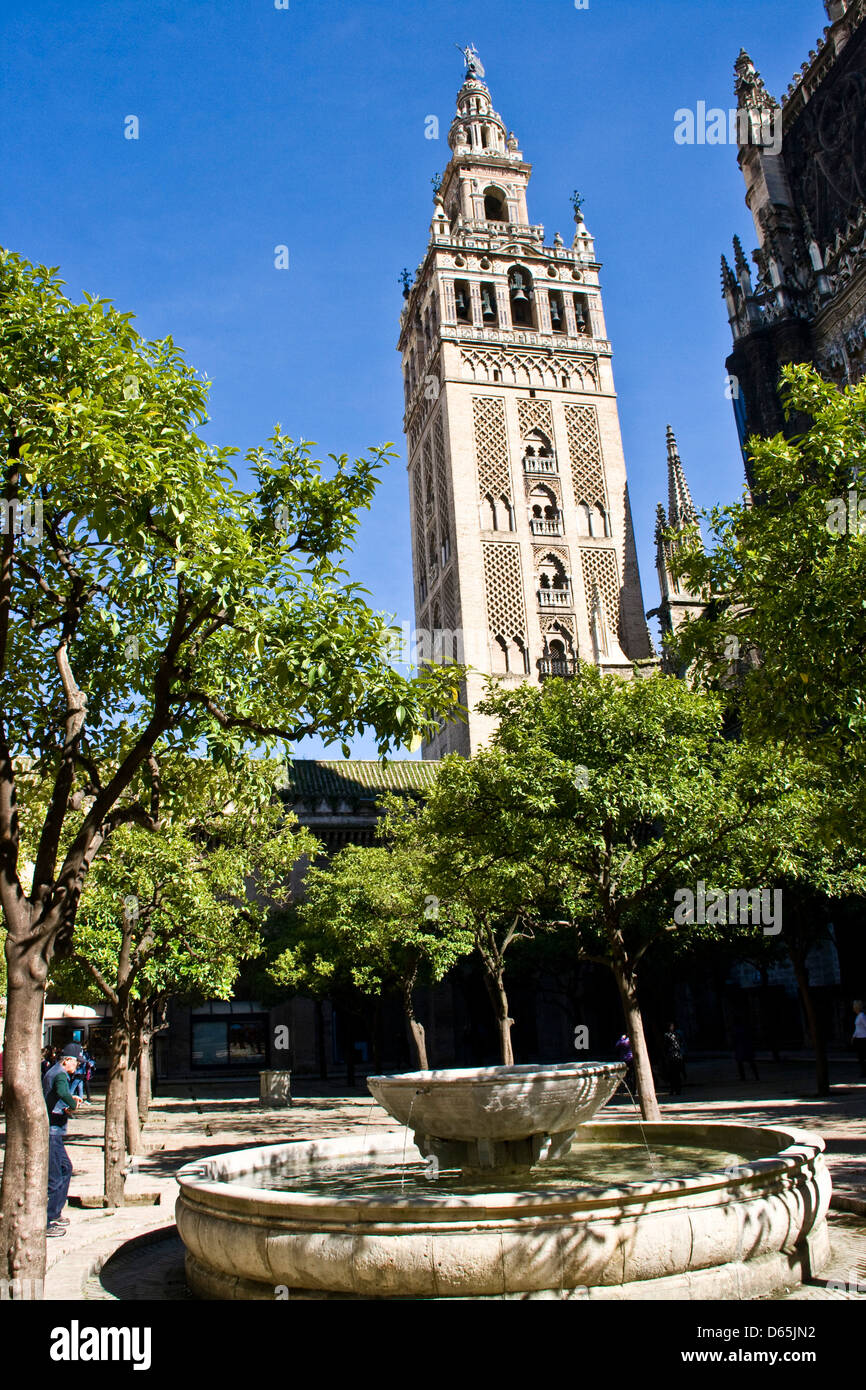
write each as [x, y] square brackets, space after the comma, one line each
[498, 1103]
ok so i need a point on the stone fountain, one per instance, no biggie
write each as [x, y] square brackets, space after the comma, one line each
[515, 1200]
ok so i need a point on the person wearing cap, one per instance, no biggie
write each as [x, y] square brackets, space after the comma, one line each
[59, 1100]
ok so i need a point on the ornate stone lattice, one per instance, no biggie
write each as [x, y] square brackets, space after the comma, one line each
[418, 518]
[443, 496]
[600, 567]
[449, 602]
[529, 369]
[535, 415]
[429, 492]
[584, 447]
[503, 586]
[491, 447]
[441, 470]
[561, 626]
[550, 481]
[560, 551]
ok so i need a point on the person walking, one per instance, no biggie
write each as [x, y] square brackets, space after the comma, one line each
[59, 1101]
[79, 1086]
[859, 1035]
[674, 1059]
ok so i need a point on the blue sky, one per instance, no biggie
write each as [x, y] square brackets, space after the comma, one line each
[305, 127]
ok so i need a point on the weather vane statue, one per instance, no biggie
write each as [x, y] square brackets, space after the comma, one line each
[474, 65]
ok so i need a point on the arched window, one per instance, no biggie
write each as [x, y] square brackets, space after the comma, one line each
[462, 302]
[520, 655]
[557, 311]
[495, 208]
[598, 522]
[488, 514]
[505, 512]
[538, 455]
[552, 579]
[499, 654]
[544, 518]
[520, 293]
[488, 303]
[584, 524]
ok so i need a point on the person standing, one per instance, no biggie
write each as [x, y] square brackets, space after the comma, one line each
[624, 1051]
[859, 1036]
[59, 1101]
[89, 1065]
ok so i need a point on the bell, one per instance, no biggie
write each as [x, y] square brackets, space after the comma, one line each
[555, 313]
[461, 302]
[517, 291]
[487, 308]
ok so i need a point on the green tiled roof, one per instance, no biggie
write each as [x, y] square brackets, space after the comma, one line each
[356, 779]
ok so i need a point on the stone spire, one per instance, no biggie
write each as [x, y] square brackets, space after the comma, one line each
[749, 87]
[677, 603]
[681, 508]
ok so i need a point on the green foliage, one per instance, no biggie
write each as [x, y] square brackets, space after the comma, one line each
[183, 887]
[164, 606]
[369, 923]
[786, 580]
[599, 798]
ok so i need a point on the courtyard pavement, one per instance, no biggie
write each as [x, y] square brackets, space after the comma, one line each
[191, 1121]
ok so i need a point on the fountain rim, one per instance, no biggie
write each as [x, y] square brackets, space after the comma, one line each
[462, 1076]
[233, 1198]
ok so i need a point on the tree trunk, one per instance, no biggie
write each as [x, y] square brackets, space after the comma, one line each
[494, 978]
[822, 1069]
[626, 984]
[417, 1034]
[133, 1124]
[115, 1112]
[24, 1194]
[145, 1082]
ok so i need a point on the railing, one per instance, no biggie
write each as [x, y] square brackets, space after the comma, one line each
[554, 598]
[563, 666]
[545, 526]
[533, 464]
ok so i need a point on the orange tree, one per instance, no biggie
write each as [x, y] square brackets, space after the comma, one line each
[148, 603]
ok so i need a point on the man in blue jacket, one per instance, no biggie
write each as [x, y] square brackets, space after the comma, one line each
[59, 1100]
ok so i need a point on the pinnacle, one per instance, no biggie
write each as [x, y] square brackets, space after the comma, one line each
[681, 508]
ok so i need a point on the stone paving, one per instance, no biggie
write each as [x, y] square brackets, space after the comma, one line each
[134, 1253]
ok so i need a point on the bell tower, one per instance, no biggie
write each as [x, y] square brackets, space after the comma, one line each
[523, 550]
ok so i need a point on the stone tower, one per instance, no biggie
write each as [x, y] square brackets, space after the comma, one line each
[523, 550]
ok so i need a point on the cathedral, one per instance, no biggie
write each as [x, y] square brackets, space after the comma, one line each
[806, 301]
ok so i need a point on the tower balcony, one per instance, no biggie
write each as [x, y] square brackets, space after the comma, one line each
[565, 667]
[535, 463]
[554, 598]
[545, 526]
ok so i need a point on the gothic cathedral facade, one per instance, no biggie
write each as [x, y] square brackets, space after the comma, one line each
[523, 551]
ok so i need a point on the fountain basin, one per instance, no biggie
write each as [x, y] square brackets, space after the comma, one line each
[741, 1232]
[498, 1103]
